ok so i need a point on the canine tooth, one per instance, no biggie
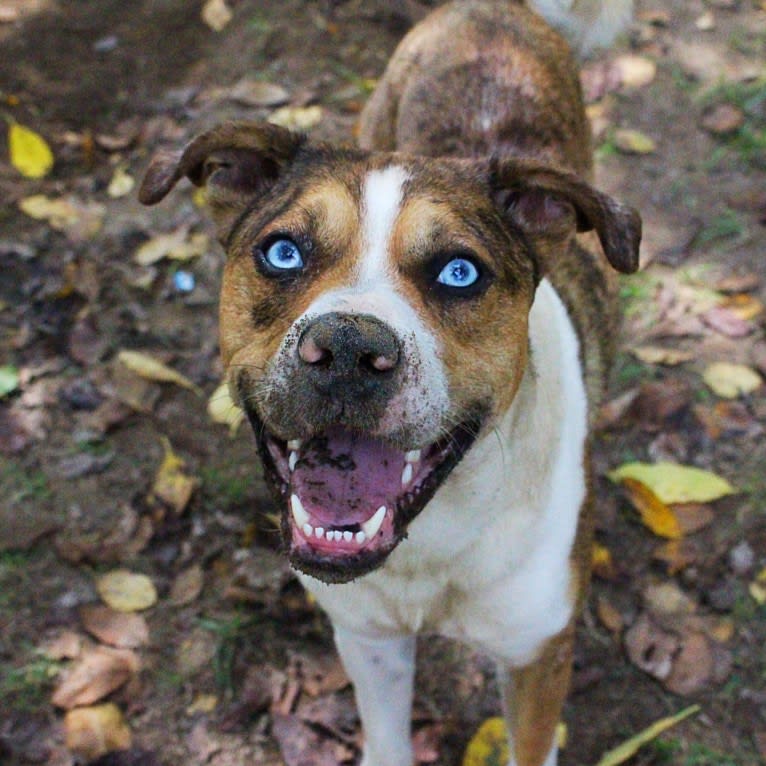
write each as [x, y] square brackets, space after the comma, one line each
[299, 512]
[308, 530]
[348, 536]
[412, 456]
[294, 444]
[360, 537]
[292, 460]
[319, 532]
[372, 526]
[407, 474]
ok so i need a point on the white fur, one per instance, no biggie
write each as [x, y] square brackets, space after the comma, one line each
[487, 560]
[587, 24]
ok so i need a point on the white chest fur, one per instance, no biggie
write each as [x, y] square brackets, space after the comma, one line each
[487, 560]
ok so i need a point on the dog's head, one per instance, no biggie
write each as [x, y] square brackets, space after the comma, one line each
[374, 315]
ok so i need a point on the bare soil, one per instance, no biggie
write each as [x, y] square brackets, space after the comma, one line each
[109, 83]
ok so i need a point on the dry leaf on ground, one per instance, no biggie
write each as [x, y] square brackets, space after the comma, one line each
[29, 152]
[124, 630]
[126, 591]
[222, 409]
[602, 564]
[91, 732]
[489, 746]
[216, 14]
[297, 117]
[655, 514]
[177, 245]
[150, 368]
[673, 483]
[171, 485]
[635, 71]
[121, 184]
[731, 380]
[300, 744]
[659, 355]
[630, 141]
[96, 673]
[187, 586]
[79, 220]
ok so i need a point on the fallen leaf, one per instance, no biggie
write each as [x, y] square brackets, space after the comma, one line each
[723, 119]
[222, 409]
[96, 673]
[300, 744]
[757, 588]
[216, 14]
[676, 554]
[659, 355]
[630, 747]
[667, 599]
[630, 141]
[79, 220]
[202, 703]
[744, 306]
[123, 630]
[126, 591]
[731, 380]
[650, 647]
[187, 586]
[153, 369]
[122, 183]
[655, 514]
[91, 732]
[29, 152]
[297, 117]
[635, 71]
[727, 322]
[693, 665]
[9, 379]
[177, 245]
[602, 564]
[320, 673]
[258, 93]
[489, 746]
[609, 615]
[705, 22]
[692, 517]
[66, 646]
[426, 742]
[171, 484]
[673, 483]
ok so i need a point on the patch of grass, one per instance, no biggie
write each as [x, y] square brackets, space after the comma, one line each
[228, 633]
[17, 484]
[260, 24]
[682, 81]
[724, 226]
[607, 148]
[663, 751]
[628, 371]
[27, 688]
[702, 755]
[227, 487]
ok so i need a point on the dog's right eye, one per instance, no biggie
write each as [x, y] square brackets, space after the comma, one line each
[283, 255]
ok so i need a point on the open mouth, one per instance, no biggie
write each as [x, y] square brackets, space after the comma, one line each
[347, 497]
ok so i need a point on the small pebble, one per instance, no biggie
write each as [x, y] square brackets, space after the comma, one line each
[741, 558]
[184, 281]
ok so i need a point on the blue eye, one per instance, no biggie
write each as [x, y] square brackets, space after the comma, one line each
[459, 272]
[284, 254]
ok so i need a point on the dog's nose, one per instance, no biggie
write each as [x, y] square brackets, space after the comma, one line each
[355, 349]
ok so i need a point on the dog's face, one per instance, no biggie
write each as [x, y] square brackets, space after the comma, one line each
[374, 317]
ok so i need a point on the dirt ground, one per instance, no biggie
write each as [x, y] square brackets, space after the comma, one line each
[238, 667]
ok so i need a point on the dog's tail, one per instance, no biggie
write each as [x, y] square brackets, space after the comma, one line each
[587, 24]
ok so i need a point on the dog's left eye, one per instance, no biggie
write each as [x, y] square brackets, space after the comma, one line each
[283, 254]
[459, 272]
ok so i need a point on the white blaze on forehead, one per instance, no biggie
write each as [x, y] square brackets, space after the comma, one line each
[380, 206]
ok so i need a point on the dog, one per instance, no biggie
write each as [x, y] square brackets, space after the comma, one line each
[419, 330]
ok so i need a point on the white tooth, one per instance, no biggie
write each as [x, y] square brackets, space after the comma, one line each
[360, 537]
[319, 532]
[407, 474]
[412, 456]
[348, 536]
[292, 460]
[308, 530]
[329, 535]
[338, 536]
[299, 512]
[372, 526]
[294, 444]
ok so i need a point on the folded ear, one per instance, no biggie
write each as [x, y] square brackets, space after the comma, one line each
[234, 162]
[548, 202]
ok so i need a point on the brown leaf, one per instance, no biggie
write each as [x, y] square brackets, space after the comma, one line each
[651, 648]
[426, 743]
[609, 615]
[655, 515]
[187, 586]
[723, 119]
[659, 401]
[66, 646]
[300, 745]
[98, 672]
[739, 283]
[262, 685]
[692, 517]
[692, 665]
[727, 322]
[120, 629]
[616, 409]
[94, 731]
[320, 673]
[676, 554]
[668, 600]
[334, 712]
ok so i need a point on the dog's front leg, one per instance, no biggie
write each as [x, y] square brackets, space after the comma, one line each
[382, 670]
[533, 698]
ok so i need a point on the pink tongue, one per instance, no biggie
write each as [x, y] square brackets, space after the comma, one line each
[342, 477]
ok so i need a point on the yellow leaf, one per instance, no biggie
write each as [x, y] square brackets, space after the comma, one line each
[659, 355]
[29, 152]
[633, 141]
[80, 220]
[222, 409]
[216, 14]
[171, 484]
[95, 731]
[297, 117]
[152, 369]
[629, 748]
[635, 71]
[758, 588]
[177, 245]
[731, 380]
[489, 746]
[601, 562]
[655, 515]
[126, 591]
[122, 183]
[674, 483]
[202, 703]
